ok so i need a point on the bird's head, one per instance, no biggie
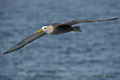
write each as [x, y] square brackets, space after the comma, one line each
[46, 29]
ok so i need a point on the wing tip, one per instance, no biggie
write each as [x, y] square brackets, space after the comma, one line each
[116, 18]
[5, 53]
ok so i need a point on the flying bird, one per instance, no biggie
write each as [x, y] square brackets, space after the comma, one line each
[55, 28]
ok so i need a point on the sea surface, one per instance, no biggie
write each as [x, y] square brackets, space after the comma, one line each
[93, 54]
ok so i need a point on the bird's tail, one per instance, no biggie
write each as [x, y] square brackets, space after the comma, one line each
[77, 28]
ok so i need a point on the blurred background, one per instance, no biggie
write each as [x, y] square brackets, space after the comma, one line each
[70, 56]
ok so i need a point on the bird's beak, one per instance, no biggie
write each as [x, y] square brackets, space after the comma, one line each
[39, 31]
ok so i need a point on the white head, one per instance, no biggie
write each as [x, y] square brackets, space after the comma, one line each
[46, 29]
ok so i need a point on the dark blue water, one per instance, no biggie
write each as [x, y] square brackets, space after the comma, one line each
[70, 56]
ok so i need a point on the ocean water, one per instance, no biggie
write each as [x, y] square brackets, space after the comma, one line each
[93, 54]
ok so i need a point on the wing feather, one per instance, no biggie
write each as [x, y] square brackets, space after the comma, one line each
[24, 42]
[86, 21]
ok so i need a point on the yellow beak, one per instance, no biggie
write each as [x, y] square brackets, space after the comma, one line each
[41, 30]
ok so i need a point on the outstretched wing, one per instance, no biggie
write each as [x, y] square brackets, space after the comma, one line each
[85, 21]
[24, 42]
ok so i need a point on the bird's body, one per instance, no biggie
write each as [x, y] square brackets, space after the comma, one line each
[56, 28]
[61, 29]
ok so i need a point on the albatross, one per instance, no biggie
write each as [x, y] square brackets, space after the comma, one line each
[55, 28]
